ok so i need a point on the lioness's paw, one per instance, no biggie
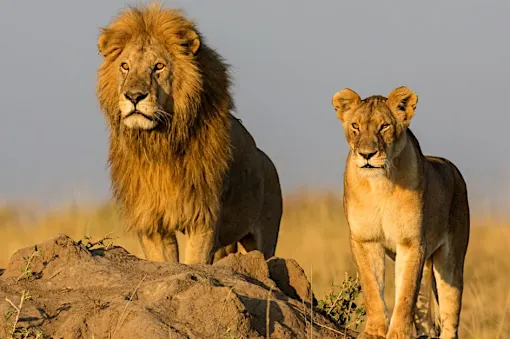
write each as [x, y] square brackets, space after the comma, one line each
[369, 336]
[400, 333]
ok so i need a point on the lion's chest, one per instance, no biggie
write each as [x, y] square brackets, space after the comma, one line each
[156, 196]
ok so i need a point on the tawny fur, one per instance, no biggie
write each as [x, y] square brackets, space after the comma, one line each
[196, 169]
[412, 207]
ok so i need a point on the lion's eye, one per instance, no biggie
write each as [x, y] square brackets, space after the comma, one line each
[124, 66]
[355, 126]
[384, 127]
[159, 66]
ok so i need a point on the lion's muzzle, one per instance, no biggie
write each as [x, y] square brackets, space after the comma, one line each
[135, 97]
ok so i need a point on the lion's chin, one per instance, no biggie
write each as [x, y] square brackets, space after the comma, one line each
[138, 121]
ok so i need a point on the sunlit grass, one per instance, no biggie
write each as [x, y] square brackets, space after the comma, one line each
[315, 233]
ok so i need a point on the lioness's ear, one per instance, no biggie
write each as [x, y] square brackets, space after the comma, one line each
[345, 100]
[193, 41]
[402, 102]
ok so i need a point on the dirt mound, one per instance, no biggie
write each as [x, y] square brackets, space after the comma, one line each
[71, 291]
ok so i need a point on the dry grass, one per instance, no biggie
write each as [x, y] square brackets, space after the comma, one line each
[313, 232]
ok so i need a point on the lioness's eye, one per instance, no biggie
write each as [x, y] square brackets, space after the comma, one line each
[159, 66]
[355, 126]
[124, 66]
[384, 126]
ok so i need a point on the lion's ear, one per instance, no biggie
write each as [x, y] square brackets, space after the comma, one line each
[344, 101]
[193, 41]
[402, 102]
[102, 42]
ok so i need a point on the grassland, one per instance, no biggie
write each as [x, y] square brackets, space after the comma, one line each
[314, 232]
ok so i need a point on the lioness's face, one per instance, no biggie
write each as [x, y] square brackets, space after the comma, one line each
[374, 126]
[145, 85]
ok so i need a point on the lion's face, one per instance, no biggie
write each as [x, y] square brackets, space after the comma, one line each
[144, 85]
[150, 76]
[374, 126]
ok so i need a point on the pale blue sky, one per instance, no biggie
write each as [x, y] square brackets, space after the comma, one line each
[289, 57]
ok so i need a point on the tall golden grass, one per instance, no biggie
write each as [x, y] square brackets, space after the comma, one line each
[315, 233]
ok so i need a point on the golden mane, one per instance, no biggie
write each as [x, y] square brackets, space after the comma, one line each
[179, 168]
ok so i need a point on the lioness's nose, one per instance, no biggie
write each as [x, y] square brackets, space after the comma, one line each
[135, 97]
[367, 155]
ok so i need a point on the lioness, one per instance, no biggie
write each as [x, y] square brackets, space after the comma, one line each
[398, 201]
[179, 160]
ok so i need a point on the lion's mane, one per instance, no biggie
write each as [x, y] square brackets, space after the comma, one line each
[180, 168]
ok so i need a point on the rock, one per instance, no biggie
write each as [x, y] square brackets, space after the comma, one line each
[291, 279]
[109, 293]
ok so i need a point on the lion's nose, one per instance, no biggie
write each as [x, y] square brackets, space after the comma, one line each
[367, 155]
[135, 97]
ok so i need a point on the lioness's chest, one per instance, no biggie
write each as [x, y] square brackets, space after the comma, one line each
[383, 218]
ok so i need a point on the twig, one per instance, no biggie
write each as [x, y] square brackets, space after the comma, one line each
[507, 303]
[268, 310]
[18, 310]
[311, 301]
[329, 328]
[223, 310]
[321, 325]
[334, 303]
[121, 320]
[101, 242]
[27, 267]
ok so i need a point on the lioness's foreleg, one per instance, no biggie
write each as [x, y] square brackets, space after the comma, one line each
[160, 247]
[369, 259]
[201, 246]
[408, 272]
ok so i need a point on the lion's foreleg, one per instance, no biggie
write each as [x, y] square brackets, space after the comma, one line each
[408, 273]
[369, 258]
[158, 247]
[200, 247]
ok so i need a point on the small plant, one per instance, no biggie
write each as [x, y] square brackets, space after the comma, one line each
[340, 303]
[97, 247]
[26, 272]
[21, 332]
[230, 334]
[25, 333]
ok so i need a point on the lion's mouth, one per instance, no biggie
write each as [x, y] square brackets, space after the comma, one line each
[135, 112]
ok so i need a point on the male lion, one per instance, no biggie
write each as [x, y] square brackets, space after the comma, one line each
[179, 160]
[398, 201]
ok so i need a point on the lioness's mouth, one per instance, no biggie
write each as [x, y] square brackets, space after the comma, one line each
[369, 166]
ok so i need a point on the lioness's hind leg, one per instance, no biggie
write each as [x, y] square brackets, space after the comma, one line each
[426, 313]
[448, 263]
[449, 288]
[158, 247]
